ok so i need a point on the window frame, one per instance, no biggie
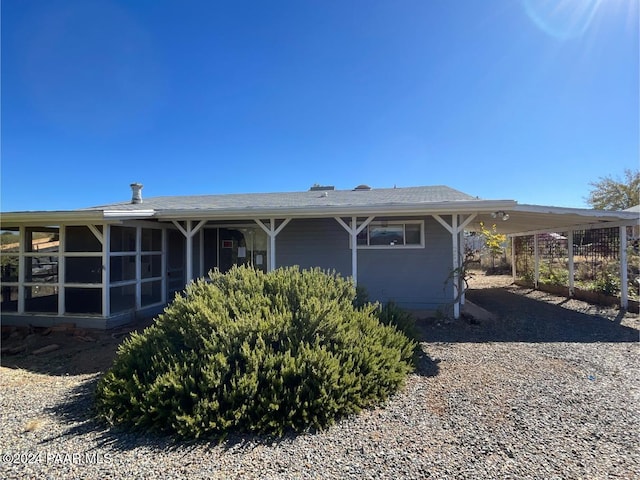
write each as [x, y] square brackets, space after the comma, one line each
[386, 223]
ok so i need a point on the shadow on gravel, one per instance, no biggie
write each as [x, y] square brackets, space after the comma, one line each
[522, 319]
[78, 415]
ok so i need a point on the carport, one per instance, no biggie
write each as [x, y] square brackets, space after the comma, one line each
[537, 220]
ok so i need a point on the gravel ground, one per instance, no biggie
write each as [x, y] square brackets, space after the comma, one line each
[549, 388]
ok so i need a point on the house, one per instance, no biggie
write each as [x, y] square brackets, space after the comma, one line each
[103, 266]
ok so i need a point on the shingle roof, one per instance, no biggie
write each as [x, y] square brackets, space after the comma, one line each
[308, 199]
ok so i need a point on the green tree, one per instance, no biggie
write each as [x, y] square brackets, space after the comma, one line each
[610, 193]
[494, 242]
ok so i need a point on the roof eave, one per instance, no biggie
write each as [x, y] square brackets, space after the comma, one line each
[16, 219]
[471, 206]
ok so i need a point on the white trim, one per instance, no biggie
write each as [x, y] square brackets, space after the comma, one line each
[95, 232]
[127, 214]
[371, 222]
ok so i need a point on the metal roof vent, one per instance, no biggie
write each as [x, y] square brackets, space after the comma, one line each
[136, 193]
[321, 188]
[362, 187]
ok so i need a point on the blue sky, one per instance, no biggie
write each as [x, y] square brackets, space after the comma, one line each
[504, 99]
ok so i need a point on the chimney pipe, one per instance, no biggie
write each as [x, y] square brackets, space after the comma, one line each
[136, 193]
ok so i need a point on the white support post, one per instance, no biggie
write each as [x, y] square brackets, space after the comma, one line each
[163, 261]
[456, 274]
[272, 245]
[189, 259]
[106, 268]
[536, 261]
[570, 263]
[513, 259]
[624, 285]
[272, 232]
[462, 284]
[138, 268]
[455, 230]
[354, 230]
[21, 266]
[61, 269]
[189, 232]
[201, 266]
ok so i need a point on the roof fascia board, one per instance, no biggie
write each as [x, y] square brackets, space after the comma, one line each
[430, 208]
[51, 218]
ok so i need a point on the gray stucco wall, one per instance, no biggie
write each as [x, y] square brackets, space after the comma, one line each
[314, 243]
[412, 277]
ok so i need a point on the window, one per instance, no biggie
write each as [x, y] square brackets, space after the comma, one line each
[392, 234]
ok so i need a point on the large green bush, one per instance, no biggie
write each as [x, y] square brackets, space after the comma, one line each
[255, 352]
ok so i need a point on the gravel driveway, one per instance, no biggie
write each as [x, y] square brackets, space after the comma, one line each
[549, 388]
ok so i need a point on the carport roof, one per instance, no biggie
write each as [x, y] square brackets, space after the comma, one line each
[528, 219]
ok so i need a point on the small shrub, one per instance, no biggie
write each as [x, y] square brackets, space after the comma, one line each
[255, 352]
[607, 283]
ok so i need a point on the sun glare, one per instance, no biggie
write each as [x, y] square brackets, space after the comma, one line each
[564, 19]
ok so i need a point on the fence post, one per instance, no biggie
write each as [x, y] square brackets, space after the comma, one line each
[570, 262]
[624, 285]
[513, 258]
[536, 261]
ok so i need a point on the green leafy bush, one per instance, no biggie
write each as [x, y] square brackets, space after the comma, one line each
[392, 314]
[255, 352]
